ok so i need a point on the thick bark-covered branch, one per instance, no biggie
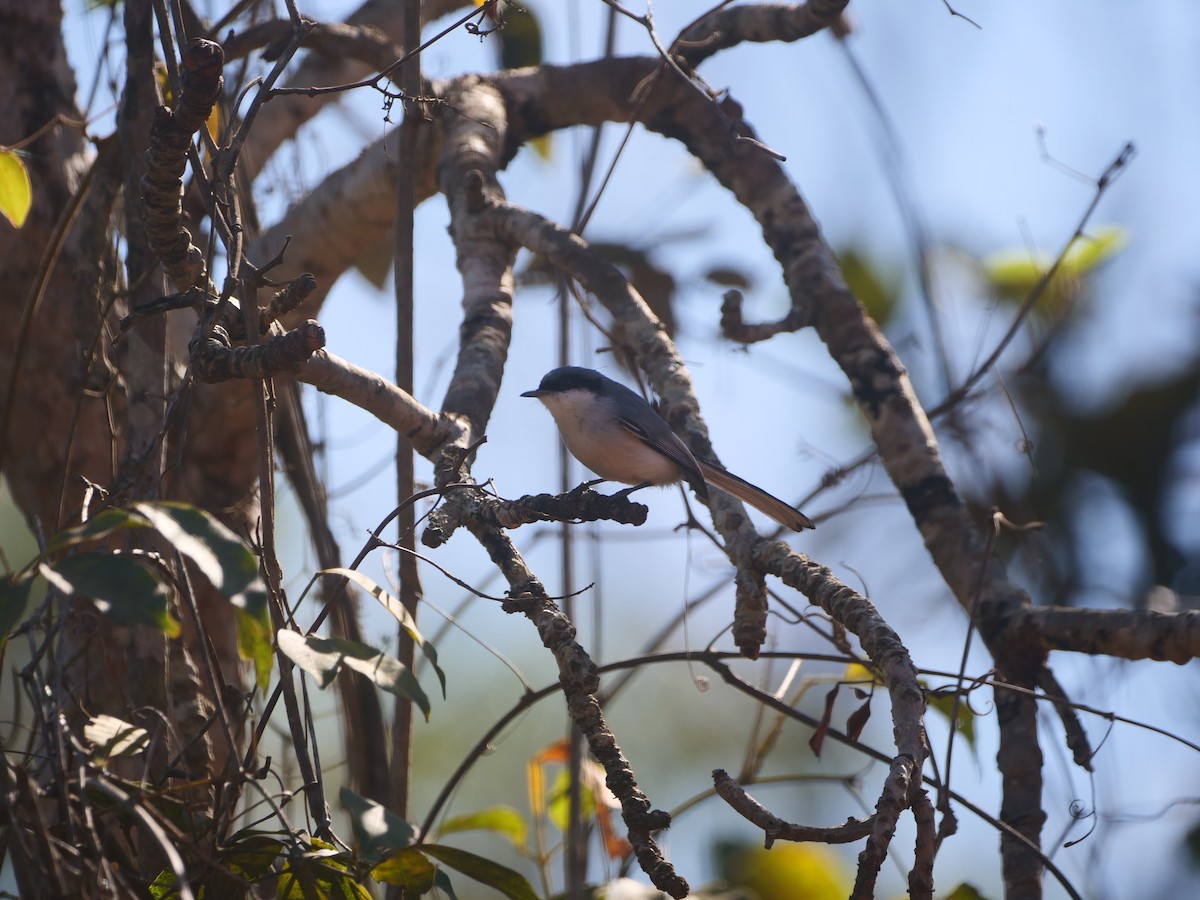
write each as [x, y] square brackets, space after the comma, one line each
[1124, 634]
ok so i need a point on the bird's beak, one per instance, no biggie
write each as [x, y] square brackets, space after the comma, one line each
[534, 393]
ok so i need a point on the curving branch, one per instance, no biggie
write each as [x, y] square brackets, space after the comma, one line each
[756, 23]
[776, 828]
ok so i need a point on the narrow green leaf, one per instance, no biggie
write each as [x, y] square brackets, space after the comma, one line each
[124, 588]
[509, 883]
[16, 190]
[321, 658]
[223, 558]
[14, 600]
[378, 830]
[396, 608]
[409, 868]
[100, 525]
[503, 820]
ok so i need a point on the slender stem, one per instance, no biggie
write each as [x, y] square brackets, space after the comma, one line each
[410, 586]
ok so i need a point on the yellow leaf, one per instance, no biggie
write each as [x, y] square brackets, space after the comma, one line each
[16, 191]
[791, 870]
[857, 673]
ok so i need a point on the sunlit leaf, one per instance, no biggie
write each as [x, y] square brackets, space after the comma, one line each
[503, 820]
[321, 664]
[220, 555]
[509, 883]
[98, 526]
[114, 737]
[322, 657]
[165, 886]
[124, 589]
[396, 608]
[16, 190]
[408, 868]
[1012, 274]
[378, 831]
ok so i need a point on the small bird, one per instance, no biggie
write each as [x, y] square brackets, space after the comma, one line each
[621, 437]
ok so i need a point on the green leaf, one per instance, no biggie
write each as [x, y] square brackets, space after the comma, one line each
[16, 190]
[378, 830]
[409, 868]
[165, 886]
[222, 557]
[124, 588]
[944, 704]
[115, 737]
[559, 807]
[509, 883]
[100, 525]
[230, 566]
[503, 820]
[14, 600]
[334, 883]
[876, 288]
[249, 859]
[322, 657]
[254, 644]
[396, 608]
